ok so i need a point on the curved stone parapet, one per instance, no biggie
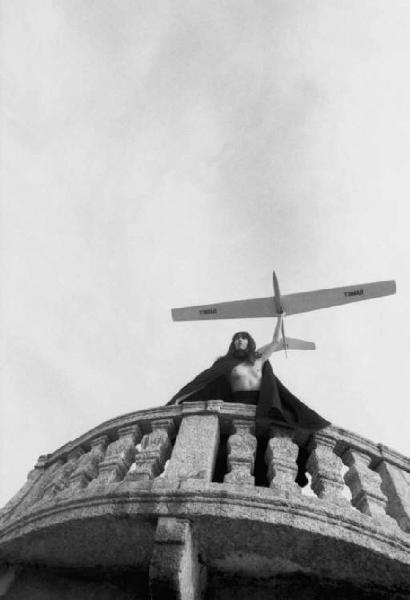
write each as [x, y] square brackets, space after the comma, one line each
[193, 497]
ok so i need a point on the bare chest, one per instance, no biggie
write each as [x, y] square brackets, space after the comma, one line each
[246, 377]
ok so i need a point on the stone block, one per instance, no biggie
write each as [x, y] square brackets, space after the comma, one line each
[194, 453]
[176, 572]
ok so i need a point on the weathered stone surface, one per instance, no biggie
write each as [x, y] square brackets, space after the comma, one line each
[8, 576]
[25, 495]
[33, 490]
[62, 476]
[118, 457]
[293, 587]
[175, 571]
[325, 468]
[365, 485]
[241, 453]
[396, 486]
[281, 455]
[242, 532]
[113, 425]
[40, 583]
[87, 467]
[155, 450]
[32, 483]
[194, 453]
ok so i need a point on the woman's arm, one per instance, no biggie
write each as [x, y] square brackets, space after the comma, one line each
[268, 349]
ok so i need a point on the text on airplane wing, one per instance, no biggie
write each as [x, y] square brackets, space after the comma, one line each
[291, 303]
[238, 309]
[307, 301]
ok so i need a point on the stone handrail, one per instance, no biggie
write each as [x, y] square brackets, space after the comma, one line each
[135, 448]
[106, 454]
[182, 493]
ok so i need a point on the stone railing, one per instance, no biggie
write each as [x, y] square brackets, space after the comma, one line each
[131, 448]
[204, 480]
[216, 442]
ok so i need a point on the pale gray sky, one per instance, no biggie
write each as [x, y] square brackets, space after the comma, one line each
[159, 154]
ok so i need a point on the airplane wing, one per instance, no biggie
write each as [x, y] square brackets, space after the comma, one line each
[307, 301]
[292, 303]
[238, 309]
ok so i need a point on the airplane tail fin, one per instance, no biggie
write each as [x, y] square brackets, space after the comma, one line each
[295, 344]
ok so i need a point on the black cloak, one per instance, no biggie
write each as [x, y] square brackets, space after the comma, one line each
[275, 403]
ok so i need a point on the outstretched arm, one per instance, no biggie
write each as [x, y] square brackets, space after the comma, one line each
[268, 349]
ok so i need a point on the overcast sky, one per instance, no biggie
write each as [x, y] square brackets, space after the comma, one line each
[161, 154]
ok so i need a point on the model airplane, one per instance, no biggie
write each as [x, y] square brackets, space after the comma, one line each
[289, 304]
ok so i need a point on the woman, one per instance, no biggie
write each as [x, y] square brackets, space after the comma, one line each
[245, 375]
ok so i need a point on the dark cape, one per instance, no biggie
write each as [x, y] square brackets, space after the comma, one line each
[275, 403]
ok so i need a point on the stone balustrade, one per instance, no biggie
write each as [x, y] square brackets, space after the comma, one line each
[205, 479]
[105, 455]
[197, 439]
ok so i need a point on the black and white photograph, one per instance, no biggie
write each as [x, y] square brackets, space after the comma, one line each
[204, 301]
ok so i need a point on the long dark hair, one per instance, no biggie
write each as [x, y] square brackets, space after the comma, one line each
[250, 354]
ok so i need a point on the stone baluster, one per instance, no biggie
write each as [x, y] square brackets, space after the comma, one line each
[396, 484]
[87, 467]
[33, 490]
[241, 453]
[281, 454]
[364, 484]
[325, 467]
[155, 451]
[62, 477]
[118, 457]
